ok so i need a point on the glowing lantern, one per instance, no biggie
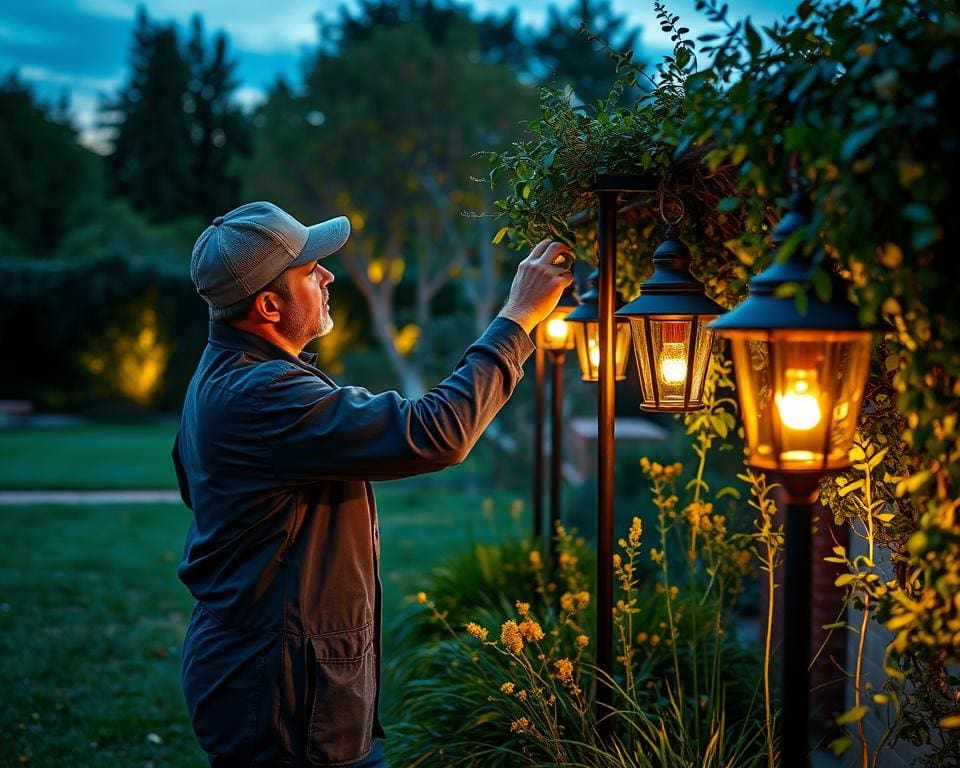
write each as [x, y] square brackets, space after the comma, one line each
[668, 322]
[586, 332]
[553, 334]
[800, 377]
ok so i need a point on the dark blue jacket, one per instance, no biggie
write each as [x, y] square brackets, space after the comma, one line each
[281, 657]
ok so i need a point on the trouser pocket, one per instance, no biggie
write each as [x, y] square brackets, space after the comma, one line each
[341, 720]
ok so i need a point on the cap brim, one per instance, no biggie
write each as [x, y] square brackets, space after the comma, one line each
[323, 239]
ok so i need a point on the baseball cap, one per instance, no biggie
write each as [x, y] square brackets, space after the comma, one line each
[243, 250]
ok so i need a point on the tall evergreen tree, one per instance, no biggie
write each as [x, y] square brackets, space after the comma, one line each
[151, 160]
[218, 129]
[175, 128]
[46, 173]
[570, 58]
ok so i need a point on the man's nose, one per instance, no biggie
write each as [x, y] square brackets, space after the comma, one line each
[325, 275]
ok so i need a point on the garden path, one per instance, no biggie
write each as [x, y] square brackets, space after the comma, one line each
[21, 498]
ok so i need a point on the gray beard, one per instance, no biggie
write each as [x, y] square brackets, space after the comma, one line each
[301, 330]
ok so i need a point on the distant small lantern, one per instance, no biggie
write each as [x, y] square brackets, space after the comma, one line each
[586, 331]
[800, 376]
[553, 333]
[671, 338]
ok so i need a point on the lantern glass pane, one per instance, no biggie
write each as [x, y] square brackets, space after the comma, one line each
[800, 395]
[672, 355]
[587, 338]
[554, 333]
[622, 346]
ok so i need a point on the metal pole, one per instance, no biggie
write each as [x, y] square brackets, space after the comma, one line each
[557, 357]
[538, 457]
[795, 713]
[607, 242]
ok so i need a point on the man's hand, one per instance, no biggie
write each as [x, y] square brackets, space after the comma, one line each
[538, 284]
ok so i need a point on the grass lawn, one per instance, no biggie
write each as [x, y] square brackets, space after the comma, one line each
[92, 618]
[88, 456]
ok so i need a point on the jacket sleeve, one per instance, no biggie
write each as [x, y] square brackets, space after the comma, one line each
[311, 431]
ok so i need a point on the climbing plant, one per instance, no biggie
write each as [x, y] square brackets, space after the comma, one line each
[851, 100]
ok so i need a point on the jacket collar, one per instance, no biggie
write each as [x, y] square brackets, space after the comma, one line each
[231, 337]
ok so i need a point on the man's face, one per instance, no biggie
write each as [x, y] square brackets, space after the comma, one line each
[306, 313]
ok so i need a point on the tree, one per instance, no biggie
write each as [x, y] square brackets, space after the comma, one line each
[47, 174]
[175, 127]
[150, 163]
[569, 57]
[218, 129]
[395, 151]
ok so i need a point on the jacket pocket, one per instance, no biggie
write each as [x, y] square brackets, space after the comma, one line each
[341, 720]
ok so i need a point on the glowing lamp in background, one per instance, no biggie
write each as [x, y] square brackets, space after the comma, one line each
[668, 323]
[800, 377]
[553, 334]
[584, 320]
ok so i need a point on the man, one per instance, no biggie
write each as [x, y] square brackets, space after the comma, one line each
[281, 657]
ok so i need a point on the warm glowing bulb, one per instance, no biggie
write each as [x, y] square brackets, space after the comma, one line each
[673, 362]
[594, 352]
[798, 406]
[557, 329]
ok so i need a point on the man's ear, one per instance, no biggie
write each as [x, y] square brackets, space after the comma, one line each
[266, 307]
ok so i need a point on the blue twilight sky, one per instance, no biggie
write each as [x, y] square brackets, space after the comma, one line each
[83, 45]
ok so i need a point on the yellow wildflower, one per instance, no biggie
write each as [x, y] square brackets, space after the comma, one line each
[552, 700]
[523, 608]
[535, 561]
[507, 688]
[530, 631]
[521, 725]
[582, 642]
[477, 631]
[510, 636]
[522, 695]
[654, 639]
[564, 669]
[642, 637]
[567, 560]
[574, 602]
[617, 561]
[421, 597]
[636, 529]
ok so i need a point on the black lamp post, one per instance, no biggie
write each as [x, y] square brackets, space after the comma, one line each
[670, 333]
[556, 337]
[586, 333]
[608, 187]
[800, 381]
[538, 453]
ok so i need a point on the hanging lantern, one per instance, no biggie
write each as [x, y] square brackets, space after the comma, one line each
[800, 377]
[668, 322]
[553, 333]
[586, 332]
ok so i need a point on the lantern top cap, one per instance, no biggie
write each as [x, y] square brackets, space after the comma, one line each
[672, 289]
[766, 309]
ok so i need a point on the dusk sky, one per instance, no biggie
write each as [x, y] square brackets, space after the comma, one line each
[83, 45]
